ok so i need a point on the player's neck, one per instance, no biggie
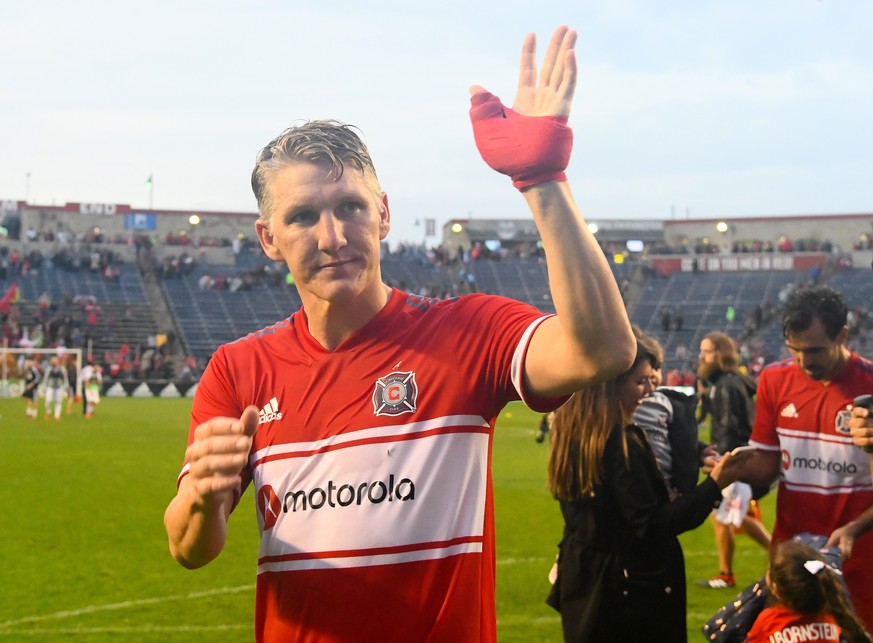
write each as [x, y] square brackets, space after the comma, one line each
[332, 322]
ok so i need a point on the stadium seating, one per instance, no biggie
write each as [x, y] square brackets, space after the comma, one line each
[209, 318]
[124, 314]
[58, 283]
[703, 300]
[525, 279]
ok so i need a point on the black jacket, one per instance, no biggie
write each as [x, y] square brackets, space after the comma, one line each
[732, 398]
[621, 572]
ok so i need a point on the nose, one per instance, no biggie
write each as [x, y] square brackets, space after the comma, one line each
[331, 235]
[648, 387]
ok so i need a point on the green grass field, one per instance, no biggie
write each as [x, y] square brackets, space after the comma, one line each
[84, 554]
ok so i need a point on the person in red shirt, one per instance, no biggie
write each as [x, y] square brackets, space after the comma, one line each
[807, 601]
[802, 434]
[364, 420]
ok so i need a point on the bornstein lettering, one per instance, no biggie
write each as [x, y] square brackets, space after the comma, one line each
[818, 464]
[348, 494]
[808, 632]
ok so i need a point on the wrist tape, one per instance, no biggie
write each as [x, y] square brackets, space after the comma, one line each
[529, 149]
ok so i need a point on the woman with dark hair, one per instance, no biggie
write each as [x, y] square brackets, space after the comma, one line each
[621, 572]
[807, 599]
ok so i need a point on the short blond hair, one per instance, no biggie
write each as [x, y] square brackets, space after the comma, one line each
[323, 142]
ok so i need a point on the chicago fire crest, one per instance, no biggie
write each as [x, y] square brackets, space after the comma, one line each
[395, 394]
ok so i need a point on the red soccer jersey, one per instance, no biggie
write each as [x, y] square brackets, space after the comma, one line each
[371, 467]
[825, 479]
[778, 624]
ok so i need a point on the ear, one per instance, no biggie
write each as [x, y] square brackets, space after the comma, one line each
[384, 218]
[843, 336]
[266, 239]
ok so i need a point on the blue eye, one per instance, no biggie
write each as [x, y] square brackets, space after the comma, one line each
[352, 207]
[306, 217]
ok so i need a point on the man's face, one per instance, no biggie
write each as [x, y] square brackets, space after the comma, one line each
[708, 354]
[817, 355]
[327, 231]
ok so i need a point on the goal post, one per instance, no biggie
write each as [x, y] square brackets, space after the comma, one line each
[12, 369]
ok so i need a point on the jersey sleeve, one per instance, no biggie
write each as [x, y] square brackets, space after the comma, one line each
[764, 434]
[215, 397]
[493, 344]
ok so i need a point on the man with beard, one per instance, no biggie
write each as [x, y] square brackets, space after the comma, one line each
[802, 428]
[733, 410]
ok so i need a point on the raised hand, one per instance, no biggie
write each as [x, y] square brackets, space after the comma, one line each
[531, 142]
[553, 94]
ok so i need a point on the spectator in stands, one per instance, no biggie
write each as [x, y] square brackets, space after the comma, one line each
[206, 282]
[396, 360]
[666, 319]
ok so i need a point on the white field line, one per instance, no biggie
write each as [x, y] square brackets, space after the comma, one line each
[91, 609]
[522, 561]
[143, 629]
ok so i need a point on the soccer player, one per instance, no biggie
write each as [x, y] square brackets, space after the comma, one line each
[56, 384]
[92, 380]
[32, 378]
[364, 421]
[802, 433]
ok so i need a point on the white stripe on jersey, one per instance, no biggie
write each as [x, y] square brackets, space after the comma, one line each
[375, 433]
[369, 560]
[806, 435]
[517, 367]
[823, 464]
[376, 502]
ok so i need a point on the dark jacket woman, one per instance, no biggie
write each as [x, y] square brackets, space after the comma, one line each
[621, 572]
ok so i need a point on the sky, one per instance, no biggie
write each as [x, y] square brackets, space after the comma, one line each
[684, 109]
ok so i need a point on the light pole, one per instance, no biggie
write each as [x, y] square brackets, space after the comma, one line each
[150, 186]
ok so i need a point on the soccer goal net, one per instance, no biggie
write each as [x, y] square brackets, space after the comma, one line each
[13, 367]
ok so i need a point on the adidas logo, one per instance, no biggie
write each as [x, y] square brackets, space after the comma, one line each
[789, 411]
[270, 412]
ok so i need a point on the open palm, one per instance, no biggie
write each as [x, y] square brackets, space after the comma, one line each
[553, 95]
[557, 83]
